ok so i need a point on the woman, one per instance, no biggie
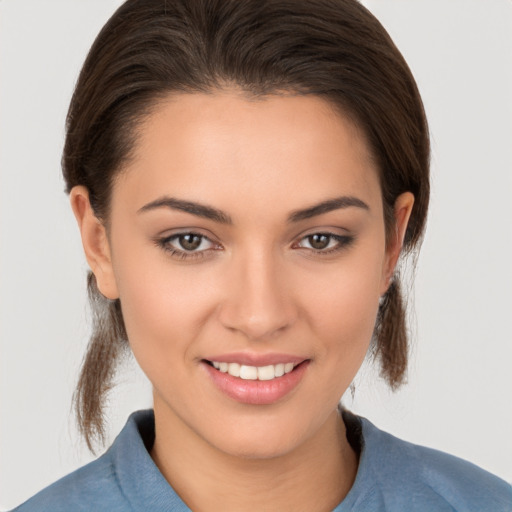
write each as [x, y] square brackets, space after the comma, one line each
[245, 176]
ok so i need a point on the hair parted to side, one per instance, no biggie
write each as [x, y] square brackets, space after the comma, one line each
[335, 49]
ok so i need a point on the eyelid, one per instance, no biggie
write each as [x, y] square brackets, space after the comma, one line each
[185, 230]
[164, 242]
[344, 241]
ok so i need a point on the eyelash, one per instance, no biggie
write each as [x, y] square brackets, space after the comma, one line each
[343, 242]
[182, 254]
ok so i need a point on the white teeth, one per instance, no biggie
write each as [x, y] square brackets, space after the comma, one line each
[248, 372]
[266, 372]
[245, 372]
[234, 369]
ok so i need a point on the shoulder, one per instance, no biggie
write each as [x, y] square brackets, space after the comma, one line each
[426, 478]
[92, 487]
[106, 483]
[125, 478]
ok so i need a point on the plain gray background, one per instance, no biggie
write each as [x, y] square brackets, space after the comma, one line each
[460, 387]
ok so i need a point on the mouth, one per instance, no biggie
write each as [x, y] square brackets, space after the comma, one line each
[264, 384]
[246, 372]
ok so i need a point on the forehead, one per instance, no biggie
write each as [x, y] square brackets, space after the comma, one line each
[279, 149]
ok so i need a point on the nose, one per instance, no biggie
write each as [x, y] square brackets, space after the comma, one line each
[258, 302]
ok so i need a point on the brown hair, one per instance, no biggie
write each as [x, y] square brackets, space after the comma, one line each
[335, 49]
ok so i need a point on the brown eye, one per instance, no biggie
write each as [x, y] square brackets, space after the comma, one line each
[188, 246]
[325, 243]
[190, 241]
[319, 241]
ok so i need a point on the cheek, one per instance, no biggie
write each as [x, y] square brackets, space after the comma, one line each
[348, 296]
[343, 310]
[345, 324]
[163, 305]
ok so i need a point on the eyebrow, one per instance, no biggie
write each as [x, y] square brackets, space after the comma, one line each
[200, 210]
[329, 205]
[209, 212]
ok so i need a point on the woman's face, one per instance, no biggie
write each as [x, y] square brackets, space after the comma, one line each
[247, 238]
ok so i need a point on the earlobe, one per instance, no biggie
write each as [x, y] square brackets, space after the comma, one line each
[95, 242]
[402, 213]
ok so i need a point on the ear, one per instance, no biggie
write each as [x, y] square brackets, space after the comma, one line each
[95, 242]
[402, 212]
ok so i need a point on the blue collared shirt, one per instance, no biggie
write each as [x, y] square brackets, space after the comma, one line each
[393, 475]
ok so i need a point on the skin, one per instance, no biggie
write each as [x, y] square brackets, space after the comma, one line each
[258, 286]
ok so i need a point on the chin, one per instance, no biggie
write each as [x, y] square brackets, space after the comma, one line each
[261, 449]
[259, 439]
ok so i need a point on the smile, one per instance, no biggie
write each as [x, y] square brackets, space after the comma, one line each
[246, 372]
[263, 382]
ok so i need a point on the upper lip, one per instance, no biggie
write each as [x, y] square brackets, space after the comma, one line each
[254, 359]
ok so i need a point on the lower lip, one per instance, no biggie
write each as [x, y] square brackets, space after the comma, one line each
[257, 392]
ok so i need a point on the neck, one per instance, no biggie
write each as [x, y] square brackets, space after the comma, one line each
[315, 476]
